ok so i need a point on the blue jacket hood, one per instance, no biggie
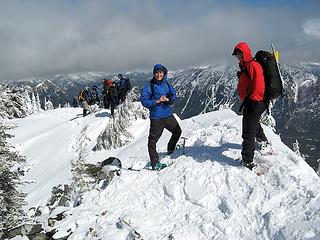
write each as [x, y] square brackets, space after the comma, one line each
[158, 67]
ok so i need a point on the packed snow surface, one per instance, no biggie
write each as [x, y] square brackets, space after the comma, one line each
[202, 194]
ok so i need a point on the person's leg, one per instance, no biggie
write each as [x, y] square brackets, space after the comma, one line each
[260, 136]
[173, 126]
[85, 108]
[112, 109]
[155, 132]
[250, 125]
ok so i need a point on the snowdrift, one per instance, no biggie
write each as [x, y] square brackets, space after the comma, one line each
[203, 194]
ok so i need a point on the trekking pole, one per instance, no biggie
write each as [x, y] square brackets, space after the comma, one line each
[183, 145]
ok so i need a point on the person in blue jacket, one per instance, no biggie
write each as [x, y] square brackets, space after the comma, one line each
[158, 96]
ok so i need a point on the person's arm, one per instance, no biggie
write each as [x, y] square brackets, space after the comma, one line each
[145, 97]
[257, 81]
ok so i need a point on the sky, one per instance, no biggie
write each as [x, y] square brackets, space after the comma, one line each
[43, 37]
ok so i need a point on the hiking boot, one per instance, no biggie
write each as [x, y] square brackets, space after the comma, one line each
[264, 147]
[159, 166]
[249, 165]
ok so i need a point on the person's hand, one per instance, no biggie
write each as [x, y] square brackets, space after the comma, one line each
[162, 99]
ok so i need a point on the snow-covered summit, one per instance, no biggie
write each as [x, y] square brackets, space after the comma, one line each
[203, 194]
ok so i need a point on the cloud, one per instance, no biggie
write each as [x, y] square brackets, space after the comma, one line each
[48, 37]
[312, 27]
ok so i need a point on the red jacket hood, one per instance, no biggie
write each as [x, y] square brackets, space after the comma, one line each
[244, 47]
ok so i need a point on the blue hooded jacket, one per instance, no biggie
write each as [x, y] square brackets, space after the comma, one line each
[158, 110]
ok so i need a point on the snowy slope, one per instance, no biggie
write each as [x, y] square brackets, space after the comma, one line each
[204, 194]
[48, 140]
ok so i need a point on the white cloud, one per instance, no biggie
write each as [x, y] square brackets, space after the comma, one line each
[45, 37]
[312, 27]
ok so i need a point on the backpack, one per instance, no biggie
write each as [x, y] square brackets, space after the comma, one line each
[128, 84]
[271, 74]
[272, 77]
[81, 96]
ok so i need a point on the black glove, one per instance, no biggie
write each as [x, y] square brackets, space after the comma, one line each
[238, 74]
[170, 101]
[245, 103]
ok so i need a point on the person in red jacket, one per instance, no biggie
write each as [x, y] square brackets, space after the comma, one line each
[251, 89]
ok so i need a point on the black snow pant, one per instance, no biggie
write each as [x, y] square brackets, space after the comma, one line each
[113, 106]
[122, 95]
[156, 129]
[251, 128]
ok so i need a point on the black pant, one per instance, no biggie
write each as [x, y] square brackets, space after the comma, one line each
[251, 128]
[155, 132]
[122, 95]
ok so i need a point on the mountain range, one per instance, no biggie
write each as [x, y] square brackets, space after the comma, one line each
[203, 89]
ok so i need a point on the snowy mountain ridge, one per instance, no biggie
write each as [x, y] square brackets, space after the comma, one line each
[204, 88]
[203, 194]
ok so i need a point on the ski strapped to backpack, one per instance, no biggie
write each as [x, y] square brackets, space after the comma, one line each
[272, 76]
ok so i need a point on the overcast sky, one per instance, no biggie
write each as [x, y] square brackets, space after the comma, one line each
[44, 37]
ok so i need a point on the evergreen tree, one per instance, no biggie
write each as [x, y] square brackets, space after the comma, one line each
[66, 105]
[48, 105]
[34, 103]
[296, 149]
[38, 103]
[28, 102]
[116, 133]
[11, 200]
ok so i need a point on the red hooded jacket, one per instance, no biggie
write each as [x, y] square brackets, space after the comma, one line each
[253, 86]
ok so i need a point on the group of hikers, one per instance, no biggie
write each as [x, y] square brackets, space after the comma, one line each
[114, 93]
[158, 96]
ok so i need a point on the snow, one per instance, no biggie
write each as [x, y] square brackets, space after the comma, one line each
[48, 140]
[203, 194]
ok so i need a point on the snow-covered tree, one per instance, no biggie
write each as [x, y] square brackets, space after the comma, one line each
[48, 105]
[34, 103]
[11, 200]
[38, 103]
[116, 133]
[28, 102]
[13, 102]
[296, 149]
[66, 105]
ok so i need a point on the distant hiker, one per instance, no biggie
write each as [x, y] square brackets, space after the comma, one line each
[95, 95]
[113, 97]
[251, 88]
[124, 86]
[85, 97]
[75, 103]
[158, 96]
[106, 85]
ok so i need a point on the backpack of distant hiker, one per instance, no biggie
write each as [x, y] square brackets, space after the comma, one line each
[128, 84]
[271, 73]
[88, 96]
[81, 96]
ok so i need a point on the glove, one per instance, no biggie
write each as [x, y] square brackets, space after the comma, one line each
[246, 102]
[170, 100]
